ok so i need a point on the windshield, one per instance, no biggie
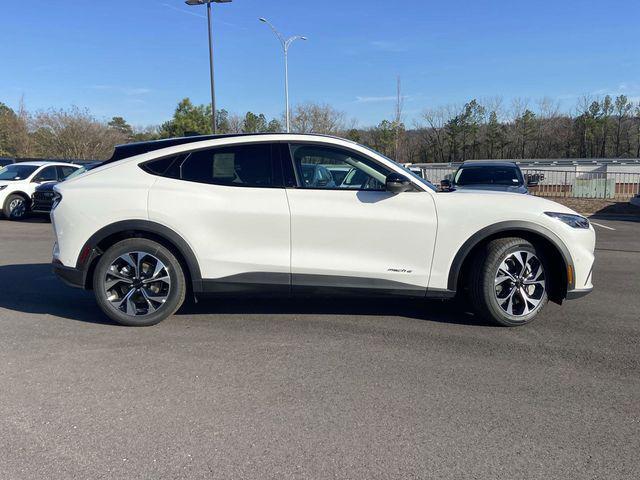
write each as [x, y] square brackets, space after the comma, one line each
[15, 172]
[489, 175]
[78, 172]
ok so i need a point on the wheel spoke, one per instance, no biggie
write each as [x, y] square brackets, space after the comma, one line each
[533, 301]
[536, 275]
[504, 274]
[129, 260]
[109, 284]
[521, 258]
[525, 301]
[139, 257]
[152, 308]
[166, 280]
[153, 296]
[126, 302]
[159, 267]
[508, 300]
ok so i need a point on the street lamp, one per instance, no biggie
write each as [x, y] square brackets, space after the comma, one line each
[286, 43]
[214, 125]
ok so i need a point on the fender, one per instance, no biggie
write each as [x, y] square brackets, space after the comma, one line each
[90, 250]
[475, 239]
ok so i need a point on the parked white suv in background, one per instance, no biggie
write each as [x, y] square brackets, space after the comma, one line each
[235, 214]
[18, 182]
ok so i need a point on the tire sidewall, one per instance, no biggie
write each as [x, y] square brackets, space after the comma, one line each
[493, 263]
[176, 294]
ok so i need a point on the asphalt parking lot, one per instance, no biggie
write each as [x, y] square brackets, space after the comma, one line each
[317, 388]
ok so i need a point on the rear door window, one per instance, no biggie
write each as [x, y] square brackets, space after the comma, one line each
[252, 165]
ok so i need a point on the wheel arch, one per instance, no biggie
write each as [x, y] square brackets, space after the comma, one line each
[19, 193]
[533, 232]
[107, 236]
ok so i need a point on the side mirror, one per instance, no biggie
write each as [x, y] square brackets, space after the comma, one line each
[445, 185]
[532, 183]
[396, 183]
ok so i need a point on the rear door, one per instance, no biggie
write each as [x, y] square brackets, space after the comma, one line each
[353, 233]
[230, 205]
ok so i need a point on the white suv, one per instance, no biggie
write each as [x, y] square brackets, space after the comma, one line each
[18, 182]
[246, 214]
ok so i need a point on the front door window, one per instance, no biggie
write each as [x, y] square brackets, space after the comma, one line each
[330, 168]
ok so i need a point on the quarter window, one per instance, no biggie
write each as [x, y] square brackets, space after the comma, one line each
[336, 169]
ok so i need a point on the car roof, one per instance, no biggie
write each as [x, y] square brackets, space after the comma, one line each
[132, 149]
[40, 164]
[488, 163]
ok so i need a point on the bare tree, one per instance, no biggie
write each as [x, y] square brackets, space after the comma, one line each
[73, 134]
[434, 132]
[622, 108]
[236, 123]
[317, 118]
[399, 126]
[14, 131]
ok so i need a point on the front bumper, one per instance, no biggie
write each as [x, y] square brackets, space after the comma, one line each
[69, 275]
[578, 293]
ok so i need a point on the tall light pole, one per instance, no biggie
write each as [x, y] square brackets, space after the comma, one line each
[214, 126]
[286, 43]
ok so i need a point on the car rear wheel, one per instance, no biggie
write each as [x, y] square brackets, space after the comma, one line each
[508, 282]
[16, 207]
[139, 282]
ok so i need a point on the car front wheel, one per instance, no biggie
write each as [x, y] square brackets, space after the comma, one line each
[139, 282]
[508, 282]
[16, 207]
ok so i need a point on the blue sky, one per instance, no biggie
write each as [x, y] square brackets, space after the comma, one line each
[137, 58]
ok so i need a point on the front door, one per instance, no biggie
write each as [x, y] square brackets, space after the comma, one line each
[348, 231]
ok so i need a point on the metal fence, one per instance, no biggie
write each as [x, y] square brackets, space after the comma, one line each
[565, 183]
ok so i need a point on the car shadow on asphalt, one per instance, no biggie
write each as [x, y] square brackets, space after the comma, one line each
[33, 218]
[34, 289]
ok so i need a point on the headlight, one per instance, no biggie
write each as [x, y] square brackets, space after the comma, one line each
[575, 221]
[2, 187]
[57, 198]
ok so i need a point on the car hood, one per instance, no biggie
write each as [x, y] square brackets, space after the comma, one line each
[505, 205]
[494, 188]
[46, 187]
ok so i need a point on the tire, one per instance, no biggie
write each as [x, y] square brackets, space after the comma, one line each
[124, 286]
[16, 207]
[509, 282]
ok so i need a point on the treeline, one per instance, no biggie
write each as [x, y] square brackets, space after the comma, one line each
[598, 127]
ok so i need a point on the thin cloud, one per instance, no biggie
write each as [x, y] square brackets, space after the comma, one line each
[136, 91]
[389, 46]
[386, 98]
[189, 11]
[375, 99]
[128, 91]
[183, 10]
